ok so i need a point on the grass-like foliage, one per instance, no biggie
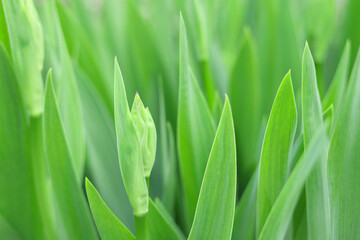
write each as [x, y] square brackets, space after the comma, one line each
[183, 119]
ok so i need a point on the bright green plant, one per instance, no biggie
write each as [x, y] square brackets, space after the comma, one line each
[277, 159]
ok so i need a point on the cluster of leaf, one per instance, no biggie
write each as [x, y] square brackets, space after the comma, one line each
[280, 162]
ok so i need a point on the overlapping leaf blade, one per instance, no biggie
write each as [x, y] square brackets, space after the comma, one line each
[58, 58]
[73, 210]
[130, 159]
[215, 209]
[317, 196]
[161, 225]
[245, 98]
[108, 225]
[195, 128]
[280, 215]
[18, 203]
[276, 149]
[338, 84]
[102, 159]
[27, 46]
[245, 212]
[343, 163]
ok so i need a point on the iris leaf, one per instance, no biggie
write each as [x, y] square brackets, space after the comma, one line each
[128, 145]
[75, 214]
[280, 215]
[317, 200]
[215, 209]
[108, 225]
[195, 128]
[276, 149]
[343, 163]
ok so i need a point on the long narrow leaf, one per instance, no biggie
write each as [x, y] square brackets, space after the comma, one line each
[18, 200]
[75, 214]
[108, 225]
[279, 217]
[343, 163]
[276, 149]
[317, 197]
[128, 144]
[195, 128]
[215, 209]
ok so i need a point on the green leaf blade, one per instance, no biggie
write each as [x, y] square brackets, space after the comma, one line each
[195, 128]
[343, 163]
[128, 143]
[279, 218]
[215, 209]
[17, 188]
[108, 225]
[337, 88]
[27, 46]
[317, 200]
[70, 200]
[244, 95]
[276, 150]
[161, 225]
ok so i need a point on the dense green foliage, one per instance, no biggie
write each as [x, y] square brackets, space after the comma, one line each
[184, 119]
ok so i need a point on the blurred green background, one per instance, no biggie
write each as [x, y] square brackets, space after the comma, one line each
[258, 40]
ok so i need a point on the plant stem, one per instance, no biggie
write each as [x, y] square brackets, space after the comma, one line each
[147, 183]
[141, 228]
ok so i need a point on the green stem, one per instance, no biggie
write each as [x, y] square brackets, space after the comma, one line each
[208, 81]
[141, 228]
[147, 183]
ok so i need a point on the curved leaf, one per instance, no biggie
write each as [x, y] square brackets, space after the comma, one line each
[18, 201]
[280, 215]
[215, 209]
[276, 150]
[73, 210]
[108, 225]
[57, 57]
[195, 128]
[161, 225]
[338, 84]
[245, 95]
[343, 163]
[102, 160]
[129, 153]
[317, 196]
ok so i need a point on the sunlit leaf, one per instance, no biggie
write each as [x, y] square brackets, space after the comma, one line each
[215, 209]
[276, 149]
[108, 225]
[195, 129]
[279, 217]
[343, 163]
[66, 89]
[18, 201]
[27, 46]
[317, 200]
[128, 143]
[70, 200]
